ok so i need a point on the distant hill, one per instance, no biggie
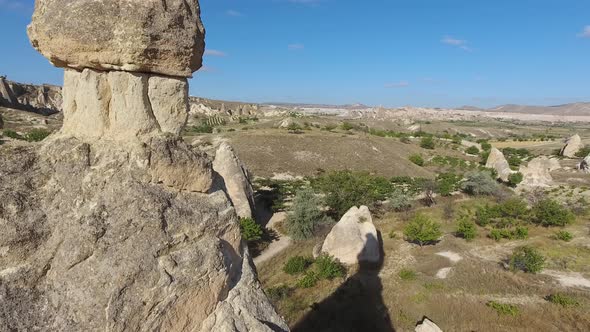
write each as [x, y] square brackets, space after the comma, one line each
[297, 105]
[574, 109]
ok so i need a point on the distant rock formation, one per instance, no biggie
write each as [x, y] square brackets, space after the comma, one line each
[114, 223]
[572, 146]
[237, 180]
[40, 99]
[497, 161]
[209, 107]
[537, 173]
[354, 238]
[584, 165]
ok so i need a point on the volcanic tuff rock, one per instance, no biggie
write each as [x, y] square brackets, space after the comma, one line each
[42, 99]
[537, 173]
[162, 37]
[354, 238]
[497, 161]
[427, 326]
[585, 164]
[236, 178]
[572, 146]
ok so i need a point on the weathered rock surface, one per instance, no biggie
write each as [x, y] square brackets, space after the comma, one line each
[537, 173]
[236, 178]
[1, 122]
[122, 105]
[41, 99]
[162, 37]
[585, 165]
[572, 146]
[497, 161]
[91, 242]
[427, 326]
[354, 238]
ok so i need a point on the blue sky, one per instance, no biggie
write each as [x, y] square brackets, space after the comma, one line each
[439, 53]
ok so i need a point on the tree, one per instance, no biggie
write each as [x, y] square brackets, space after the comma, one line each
[427, 142]
[466, 228]
[251, 231]
[479, 183]
[550, 213]
[417, 159]
[422, 230]
[306, 216]
[447, 183]
[527, 259]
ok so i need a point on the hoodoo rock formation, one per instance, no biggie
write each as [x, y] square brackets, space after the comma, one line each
[497, 161]
[572, 146]
[114, 223]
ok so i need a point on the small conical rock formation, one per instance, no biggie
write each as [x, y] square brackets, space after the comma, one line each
[537, 173]
[354, 238]
[114, 224]
[572, 146]
[497, 161]
[427, 326]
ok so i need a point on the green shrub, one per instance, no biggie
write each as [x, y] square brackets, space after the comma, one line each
[485, 146]
[297, 264]
[407, 275]
[329, 267]
[422, 230]
[466, 228]
[583, 152]
[37, 135]
[479, 183]
[519, 233]
[203, 128]
[447, 183]
[504, 308]
[563, 300]
[427, 143]
[417, 159]
[309, 280]
[548, 212]
[472, 150]
[514, 179]
[13, 134]
[347, 126]
[306, 216]
[251, 230]
[527, 259]
[564, 236]
[294, 128]
[280, 292]
[400, 201]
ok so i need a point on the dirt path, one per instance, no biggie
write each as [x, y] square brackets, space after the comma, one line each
[277, 246]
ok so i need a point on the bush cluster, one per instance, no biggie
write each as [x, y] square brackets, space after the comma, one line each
[417, 159]
[329, 267]
[251, 230]
[479, 183]
[527, 259]
[427, 142]
[563, 300]
[422, 230]
[564, 236]
[504, 308]
[466, 228]
[548, 213]
[306, 216]
[297, 264]
[518, 233]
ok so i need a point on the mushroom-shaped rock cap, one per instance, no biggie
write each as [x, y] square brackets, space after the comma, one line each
[150, 36]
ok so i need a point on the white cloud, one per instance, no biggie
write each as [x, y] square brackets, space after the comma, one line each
[460, 43]
[295, 47]
[234, 13]
[215, 53]
[401, 84]
[585, 33]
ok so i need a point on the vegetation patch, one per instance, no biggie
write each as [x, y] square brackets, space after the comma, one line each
[407, 275]
[563, 300]
[329, 267]
[297, 264]
[422, 230]
[505, 309]
[527, 259]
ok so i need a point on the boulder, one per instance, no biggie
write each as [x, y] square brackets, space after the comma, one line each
[162, 37]
[584, 165]
[572, 146]
[354, 238]
[286, 123]
[427, 326]
[537, 173]
[121, 105]
[497, 161]
[91, 243]
[236, 179]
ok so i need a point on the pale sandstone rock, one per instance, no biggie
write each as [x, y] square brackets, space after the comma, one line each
[537, 173]
[585, 164]
[162, 37]
[354, 238]
[427, 326]
[236, 179]
[121, 105]
[497, 161]
[572, 146]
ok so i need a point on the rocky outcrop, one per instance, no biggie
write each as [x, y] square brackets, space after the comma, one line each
[41, 99]
[114, 224]
[427, 326]
[209, 107]
[161, 37]
[572, 146]
[1, 122]
[236, 179]
[537, 173]
[354, 238]
[497, 161]
[584, 165]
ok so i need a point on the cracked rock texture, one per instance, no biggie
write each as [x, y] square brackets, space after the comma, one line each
[162, 37]
[92, 241]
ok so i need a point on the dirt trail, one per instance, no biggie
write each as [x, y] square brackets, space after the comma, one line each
[278, 246]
